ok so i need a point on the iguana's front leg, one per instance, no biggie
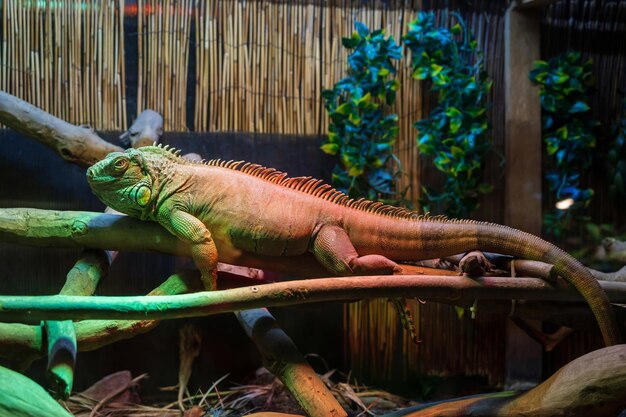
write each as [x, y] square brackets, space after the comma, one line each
[191, 230]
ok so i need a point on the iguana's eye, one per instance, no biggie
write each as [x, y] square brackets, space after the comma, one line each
[120, 164]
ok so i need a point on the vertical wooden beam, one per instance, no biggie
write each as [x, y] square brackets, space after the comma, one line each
[523, 169]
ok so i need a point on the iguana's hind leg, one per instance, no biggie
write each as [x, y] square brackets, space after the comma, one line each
[333, 249]
[203, 250]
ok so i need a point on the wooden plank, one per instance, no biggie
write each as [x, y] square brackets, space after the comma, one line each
[523, 149]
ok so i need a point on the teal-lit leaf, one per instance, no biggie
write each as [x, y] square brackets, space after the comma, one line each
[361, 29]
[579, 107]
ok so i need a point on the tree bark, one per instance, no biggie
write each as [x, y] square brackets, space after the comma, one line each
[77, 144]
[282, 358]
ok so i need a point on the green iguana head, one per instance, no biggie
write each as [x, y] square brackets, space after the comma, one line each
[124, 182]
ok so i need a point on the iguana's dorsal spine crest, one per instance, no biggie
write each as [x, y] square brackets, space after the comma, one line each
[306, 185]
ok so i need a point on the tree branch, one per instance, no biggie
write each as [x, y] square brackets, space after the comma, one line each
[77, 144]
[20, 340]
[458, 288]
[282, 358]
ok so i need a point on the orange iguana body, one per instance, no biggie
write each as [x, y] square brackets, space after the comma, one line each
[246, 214]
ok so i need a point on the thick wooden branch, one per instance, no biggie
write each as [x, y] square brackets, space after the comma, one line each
[50, 228]
[77, 144]
[282, 358]
[457, 288]
[592, 385]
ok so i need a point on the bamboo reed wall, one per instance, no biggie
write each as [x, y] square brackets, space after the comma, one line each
[66, 57]
[261, 66]
[164, 28]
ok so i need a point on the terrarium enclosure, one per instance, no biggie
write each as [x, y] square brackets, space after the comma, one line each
[414, 113]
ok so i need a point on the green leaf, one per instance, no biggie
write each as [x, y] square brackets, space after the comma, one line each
[435, 69]
[453, 112]
[355, 171]
[344, 109]
[457, 152]
[455, 124]
[330, 148]
[559, 78]
[354, 118]
[457, 29]
[485, 188]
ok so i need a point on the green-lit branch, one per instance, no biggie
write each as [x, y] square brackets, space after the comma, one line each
[19, 340]
[16, 308]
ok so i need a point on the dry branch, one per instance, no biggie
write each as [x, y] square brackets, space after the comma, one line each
[282, 358]
[457, 289]
[77, 144]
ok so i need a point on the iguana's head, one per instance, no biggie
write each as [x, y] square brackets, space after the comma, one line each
[124, 182]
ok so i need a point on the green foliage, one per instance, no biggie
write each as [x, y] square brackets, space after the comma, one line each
[567, 132]
[617, 159]
[359, 131]
[455, 132]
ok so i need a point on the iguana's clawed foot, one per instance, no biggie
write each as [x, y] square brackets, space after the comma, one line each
[475, 264]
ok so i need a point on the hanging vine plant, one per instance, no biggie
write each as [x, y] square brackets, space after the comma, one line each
[455, 132]
[360, 132]
[567, 130]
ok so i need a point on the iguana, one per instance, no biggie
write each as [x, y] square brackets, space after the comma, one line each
[240, 212]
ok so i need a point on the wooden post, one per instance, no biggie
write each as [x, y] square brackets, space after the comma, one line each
[523, 169]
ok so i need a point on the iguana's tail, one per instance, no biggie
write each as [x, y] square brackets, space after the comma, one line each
[497, 238]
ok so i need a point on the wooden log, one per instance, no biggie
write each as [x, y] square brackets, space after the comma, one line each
[593, 384]
[282, 358]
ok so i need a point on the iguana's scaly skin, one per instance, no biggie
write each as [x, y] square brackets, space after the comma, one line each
[234, 212]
